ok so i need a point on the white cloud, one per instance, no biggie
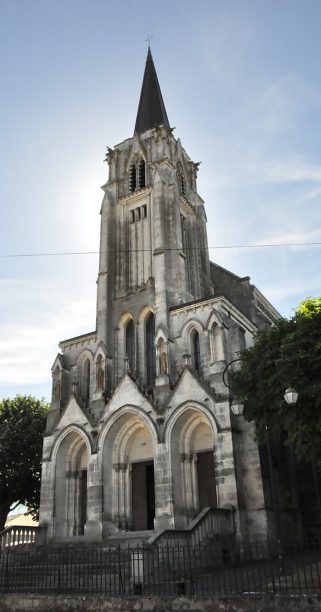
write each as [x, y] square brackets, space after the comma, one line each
[31, 329]
[294, 287]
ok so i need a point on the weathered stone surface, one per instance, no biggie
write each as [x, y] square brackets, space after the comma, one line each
[60, 603]
[123, 395]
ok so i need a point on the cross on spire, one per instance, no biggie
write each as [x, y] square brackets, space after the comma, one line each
[151, 108]
[148, 39]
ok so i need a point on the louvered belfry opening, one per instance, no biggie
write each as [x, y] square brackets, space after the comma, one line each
[181, 179]
[137, 175]
[132, 178]
[141, 174]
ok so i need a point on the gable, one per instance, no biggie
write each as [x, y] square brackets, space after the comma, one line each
[72, 415]
[136, 150]
[127, 393]
[189, 388]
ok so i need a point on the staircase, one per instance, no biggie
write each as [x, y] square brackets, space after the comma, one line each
[210, 523]
[120, 564]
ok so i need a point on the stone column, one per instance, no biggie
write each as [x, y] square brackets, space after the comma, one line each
[46, 516]
[116, 494]
[164, 508]
[189, 482]
[93, 527]
[123, 470]
[225, 470]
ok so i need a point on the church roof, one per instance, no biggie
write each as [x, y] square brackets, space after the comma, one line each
[151, 109]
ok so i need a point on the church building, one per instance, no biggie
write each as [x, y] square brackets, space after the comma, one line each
[143, 437]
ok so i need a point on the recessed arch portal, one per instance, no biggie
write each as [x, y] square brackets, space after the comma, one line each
[128, 475]
[191, 441]
[71, 467]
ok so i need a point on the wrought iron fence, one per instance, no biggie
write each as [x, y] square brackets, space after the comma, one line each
[217, 568]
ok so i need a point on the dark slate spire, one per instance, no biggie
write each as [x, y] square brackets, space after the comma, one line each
[151, 108]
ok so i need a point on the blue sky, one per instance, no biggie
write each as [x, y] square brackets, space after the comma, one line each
[242, 84]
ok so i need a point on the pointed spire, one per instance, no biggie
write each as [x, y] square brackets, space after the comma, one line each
[151, 108]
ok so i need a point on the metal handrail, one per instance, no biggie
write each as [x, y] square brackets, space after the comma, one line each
[194, 531]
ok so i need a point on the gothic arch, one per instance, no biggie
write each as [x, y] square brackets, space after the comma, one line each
[189, 325]
[128, 441]
[71, 455]
[191, 330]
[125, 319]
[100, 371]
[195, 406]
[214, 317]
[76, 429]
[85, 363]
[126, 410]
[137, 173]
[190, 436]
[143, 315]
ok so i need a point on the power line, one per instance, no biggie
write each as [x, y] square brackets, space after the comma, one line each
[210, 248]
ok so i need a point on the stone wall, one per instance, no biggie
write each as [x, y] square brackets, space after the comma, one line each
[246, 603]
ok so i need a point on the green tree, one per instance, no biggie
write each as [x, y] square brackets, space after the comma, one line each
[287, 354]
[22, 423]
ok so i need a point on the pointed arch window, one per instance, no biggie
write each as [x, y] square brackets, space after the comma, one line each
[137, 175]
[150, 349]
[141, 174]
[132, 178]
[181, 179]
[196, 353]
[130, 344]
[86, 380]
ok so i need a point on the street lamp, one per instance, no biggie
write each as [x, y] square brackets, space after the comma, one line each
[237, 408]
[291, 396]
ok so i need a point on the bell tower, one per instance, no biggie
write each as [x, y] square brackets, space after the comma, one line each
[153, 243]
[142, 433]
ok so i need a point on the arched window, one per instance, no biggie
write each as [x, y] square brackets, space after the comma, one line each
[130, 344]
[150, 349]
[137, 175]
[86, 380]
[181, 179]
[132, 178]
[196, 355]
[141, 174]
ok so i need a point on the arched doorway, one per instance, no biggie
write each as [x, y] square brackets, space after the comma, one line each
[193, 468]
[129, 491]
[71, 486]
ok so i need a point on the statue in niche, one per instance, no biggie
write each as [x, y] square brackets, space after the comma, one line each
[100, 378]
[163, 363]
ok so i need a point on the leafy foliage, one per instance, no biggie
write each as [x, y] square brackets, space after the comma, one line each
[22, 423]
[287, 354]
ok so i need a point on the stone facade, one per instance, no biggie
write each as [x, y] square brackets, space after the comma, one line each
[140, 435]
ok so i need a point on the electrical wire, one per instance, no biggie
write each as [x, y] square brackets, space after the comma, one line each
[210, 248]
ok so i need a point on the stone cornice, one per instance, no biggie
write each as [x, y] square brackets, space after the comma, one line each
[227, 307]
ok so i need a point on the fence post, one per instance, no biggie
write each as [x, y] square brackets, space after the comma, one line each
[137, 570]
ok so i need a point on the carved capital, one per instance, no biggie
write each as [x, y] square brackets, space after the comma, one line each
[187, 457]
